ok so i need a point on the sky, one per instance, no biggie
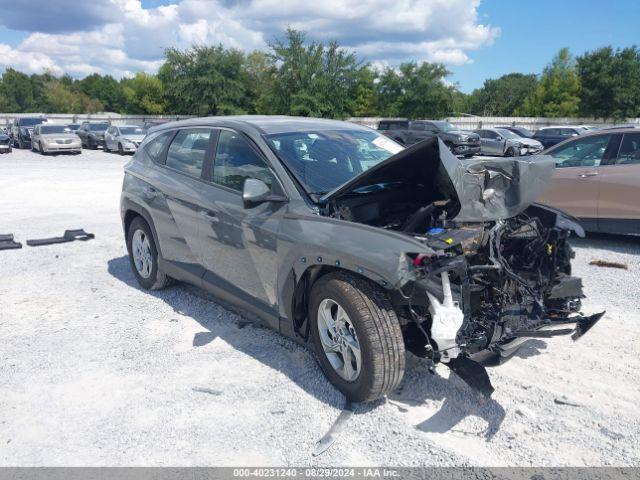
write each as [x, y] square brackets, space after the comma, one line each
[475, 39]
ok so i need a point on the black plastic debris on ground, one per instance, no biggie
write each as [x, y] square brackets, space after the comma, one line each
[68, 236]
[8, 243]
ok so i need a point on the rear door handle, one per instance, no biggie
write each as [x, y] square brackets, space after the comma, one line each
[151, 191]
[588, 174]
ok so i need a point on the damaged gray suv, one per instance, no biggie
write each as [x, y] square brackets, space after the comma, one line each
[338, 237]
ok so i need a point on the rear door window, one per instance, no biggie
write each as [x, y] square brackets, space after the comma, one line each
[187, 151]
[629, 150]
[584, 152]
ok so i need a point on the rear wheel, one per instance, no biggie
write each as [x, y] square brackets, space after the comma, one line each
[356, 336]
[143, 256]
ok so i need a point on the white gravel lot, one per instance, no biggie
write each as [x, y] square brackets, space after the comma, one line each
[95, 371]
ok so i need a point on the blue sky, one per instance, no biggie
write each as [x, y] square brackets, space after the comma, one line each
[533, 31]
[476, 39]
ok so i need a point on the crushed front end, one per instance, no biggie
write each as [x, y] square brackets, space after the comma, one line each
[490, 286]
[494, 267]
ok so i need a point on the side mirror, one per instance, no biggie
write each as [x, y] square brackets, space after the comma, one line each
[499, 139]
[255, 192]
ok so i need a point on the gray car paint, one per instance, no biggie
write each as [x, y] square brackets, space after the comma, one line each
[261, 253]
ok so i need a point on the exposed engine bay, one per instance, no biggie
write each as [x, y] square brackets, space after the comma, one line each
[496, 269]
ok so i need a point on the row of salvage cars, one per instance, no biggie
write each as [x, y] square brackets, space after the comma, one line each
[340, 238]
[45, 137]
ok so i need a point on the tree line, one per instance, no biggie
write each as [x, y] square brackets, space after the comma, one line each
[298, 77]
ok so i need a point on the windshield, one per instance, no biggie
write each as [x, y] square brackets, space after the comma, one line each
[325, 159]
[54, 129]
[131, 131]
[29, 122]
[98, 127]
[507, 133]
[444, 126]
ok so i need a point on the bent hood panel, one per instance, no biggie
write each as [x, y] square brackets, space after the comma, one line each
[486, 189]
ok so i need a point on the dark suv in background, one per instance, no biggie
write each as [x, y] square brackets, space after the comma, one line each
[460, 142]
[22, 130]
[549, 136]
[92, 134]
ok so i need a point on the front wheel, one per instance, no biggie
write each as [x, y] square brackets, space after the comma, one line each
[356, 336]
[120, 149]
[143, 256]
[510, 152]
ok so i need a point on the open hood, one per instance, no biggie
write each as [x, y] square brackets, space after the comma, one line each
[484, 190]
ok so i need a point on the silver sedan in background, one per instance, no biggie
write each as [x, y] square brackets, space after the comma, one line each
[123, 138]
[499, 141]
[50, 138]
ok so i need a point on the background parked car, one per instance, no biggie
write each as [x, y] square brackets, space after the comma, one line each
[5, 143]
[460, 142]
[549, 136]
[154, 123]
[48, 138]
[22, 129]
[597, 179]
[73, 127]
[92, 134]
[123, 138]
[521, 131]
[498, 141]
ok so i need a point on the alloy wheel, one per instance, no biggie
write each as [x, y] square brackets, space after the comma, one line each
[339, 340]
[141, 251]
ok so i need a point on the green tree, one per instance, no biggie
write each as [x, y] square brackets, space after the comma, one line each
[365, 101]
[389, 90]
[106, 89]
[60, 98]
[312, 79]
[502, 97]
[425, 94]
[144, 93]
[610, 83]
[558, 91]
[204, 81]
[17, 91]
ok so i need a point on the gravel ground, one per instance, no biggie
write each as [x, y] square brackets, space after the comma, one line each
[95, 371]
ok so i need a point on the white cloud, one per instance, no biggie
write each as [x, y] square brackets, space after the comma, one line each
[124, 37]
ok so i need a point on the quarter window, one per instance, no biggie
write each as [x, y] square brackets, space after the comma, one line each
[629, 150]
[585, 152]
[155, 147]
[187, 151]
[236, 161]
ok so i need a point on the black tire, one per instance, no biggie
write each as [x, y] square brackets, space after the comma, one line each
[20, 144]
[157, 279]
[42, 152]
[106, 148]
[378, 331]
[91, 145]
[450, 147]
[510, 152]
[120, 149]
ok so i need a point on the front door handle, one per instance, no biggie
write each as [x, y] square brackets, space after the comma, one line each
[588, 174]
[208, 214]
